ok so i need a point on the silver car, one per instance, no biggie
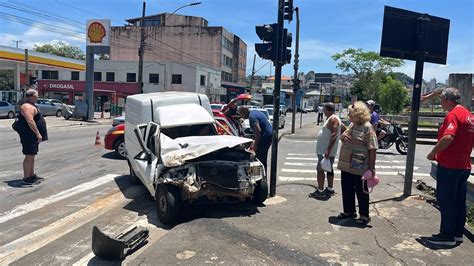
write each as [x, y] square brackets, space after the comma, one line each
[49, 107]
[7, 109]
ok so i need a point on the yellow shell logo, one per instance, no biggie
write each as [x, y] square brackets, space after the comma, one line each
[96, 32]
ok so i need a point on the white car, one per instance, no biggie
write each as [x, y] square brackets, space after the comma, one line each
[174, 150]
[281, 120]
[7, 109]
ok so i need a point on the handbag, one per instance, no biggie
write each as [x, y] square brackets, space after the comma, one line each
[372, 181]
[16, 125]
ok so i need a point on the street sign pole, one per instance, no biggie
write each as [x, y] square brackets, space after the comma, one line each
[276, 99]
[415, 104]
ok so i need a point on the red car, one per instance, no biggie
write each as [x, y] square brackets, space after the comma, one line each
[114, 140]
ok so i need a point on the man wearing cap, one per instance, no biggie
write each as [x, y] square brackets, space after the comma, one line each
[32, 131]
[375, 120]
[452, 152]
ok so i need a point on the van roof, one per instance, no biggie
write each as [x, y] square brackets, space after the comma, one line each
[162, 95]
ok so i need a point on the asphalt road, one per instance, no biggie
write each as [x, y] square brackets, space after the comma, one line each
[51, 223]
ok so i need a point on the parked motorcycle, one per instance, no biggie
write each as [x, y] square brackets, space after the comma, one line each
[395, 135]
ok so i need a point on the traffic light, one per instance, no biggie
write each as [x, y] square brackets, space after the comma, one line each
[286, 53]
[288, 10]
[268, 34]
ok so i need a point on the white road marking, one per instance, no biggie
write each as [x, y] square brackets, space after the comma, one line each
[31, 242]
[84, 260]
[40, 203]
[376, 167]
[315, 159]
[379, 173]
[9, 173]
[300, 154]
[300, 141]
[294, 178]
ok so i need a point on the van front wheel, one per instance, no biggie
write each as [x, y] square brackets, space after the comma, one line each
[168, 204]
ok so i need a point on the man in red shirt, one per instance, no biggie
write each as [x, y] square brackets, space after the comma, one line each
[452, 152]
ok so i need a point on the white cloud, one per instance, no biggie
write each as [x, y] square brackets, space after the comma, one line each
[37, 36]
[312, 49]
[440, 72]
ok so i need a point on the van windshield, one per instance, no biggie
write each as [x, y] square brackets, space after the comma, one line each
[189, 131]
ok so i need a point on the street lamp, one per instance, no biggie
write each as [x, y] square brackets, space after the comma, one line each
[141, 49]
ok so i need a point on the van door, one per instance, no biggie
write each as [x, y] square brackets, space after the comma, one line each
[148, 160]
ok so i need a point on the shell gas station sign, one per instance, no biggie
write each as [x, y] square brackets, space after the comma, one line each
[98, 32]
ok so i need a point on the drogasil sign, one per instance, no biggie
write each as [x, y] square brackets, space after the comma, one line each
[98, 31]
[59, 86]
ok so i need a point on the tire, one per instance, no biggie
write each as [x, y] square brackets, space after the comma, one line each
[168, 204]
[260, 193]
[11, 115]
[119, 149]
[59, 113]
[134, 178]
[401, 146]
[67, 117]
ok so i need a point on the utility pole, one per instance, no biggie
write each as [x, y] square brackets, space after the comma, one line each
[17, 41]
[141, 50]
[296, 81]
[27, 76]
[253, 72]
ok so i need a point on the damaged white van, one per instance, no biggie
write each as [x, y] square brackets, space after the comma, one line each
[174, 150]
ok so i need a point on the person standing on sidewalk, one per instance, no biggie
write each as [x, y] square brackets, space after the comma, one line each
[262, 131]
[32, 131]
[357, 155]
[452, 152]
[320, 113]
[326, 147]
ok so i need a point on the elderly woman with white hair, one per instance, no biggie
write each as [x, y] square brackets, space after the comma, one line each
[357, 155]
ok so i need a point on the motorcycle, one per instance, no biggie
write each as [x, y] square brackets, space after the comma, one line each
[395, 135]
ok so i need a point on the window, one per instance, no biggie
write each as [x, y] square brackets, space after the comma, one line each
[176, 79]
[47, 74]
[110, 76]
[3, 104]
[154, 78]
[203, 80]
[131, 77]
[74, 75]
[97, 76]
[226, 76]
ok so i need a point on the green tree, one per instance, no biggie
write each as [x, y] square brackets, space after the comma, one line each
[61, 49]
[7, 79]
[403, 78]
[393, 96]
[369, 68]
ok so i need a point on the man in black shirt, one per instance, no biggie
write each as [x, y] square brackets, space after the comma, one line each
[32, 131]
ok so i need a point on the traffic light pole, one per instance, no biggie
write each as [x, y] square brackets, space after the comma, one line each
[296, 82]
[276, 99]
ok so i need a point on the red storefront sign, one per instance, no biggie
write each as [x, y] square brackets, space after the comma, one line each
[80, 86]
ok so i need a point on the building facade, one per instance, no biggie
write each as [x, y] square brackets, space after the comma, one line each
[177, 38]
[115, 80]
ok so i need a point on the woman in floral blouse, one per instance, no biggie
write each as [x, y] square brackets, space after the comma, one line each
[357, 155]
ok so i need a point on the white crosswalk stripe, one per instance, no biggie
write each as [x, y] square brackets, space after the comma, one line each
[302, 167]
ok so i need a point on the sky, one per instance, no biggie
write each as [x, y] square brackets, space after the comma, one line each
[327, 26]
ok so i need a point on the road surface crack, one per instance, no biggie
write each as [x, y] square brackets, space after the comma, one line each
[388, 253]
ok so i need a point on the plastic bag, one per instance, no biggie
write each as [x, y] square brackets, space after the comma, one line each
[326, 165]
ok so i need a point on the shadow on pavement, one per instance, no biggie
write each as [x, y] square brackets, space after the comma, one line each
[18, 183]
[388, 153]
[111, 155]
[423, 241]
[397, 199]
[347, 222]
[219, 210]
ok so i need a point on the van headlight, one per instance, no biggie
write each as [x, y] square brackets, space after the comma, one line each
[256, 170]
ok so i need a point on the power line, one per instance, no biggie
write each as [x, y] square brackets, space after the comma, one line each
[45, 14]
[82, 10]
